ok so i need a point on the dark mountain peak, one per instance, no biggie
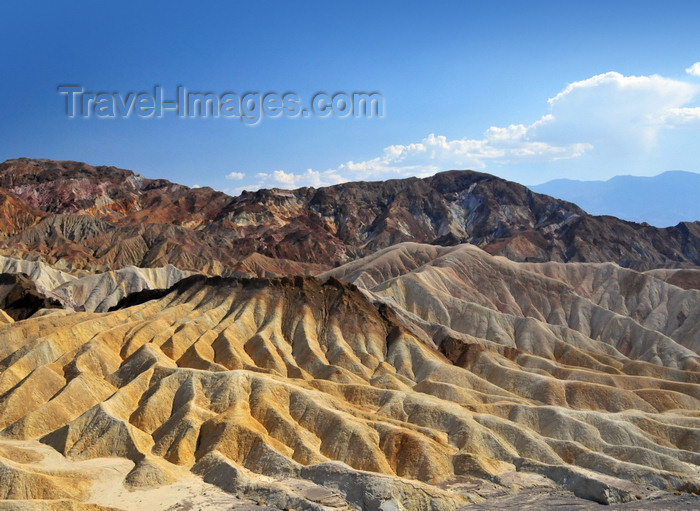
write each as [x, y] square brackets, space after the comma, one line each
[108, 193]
[23, 171]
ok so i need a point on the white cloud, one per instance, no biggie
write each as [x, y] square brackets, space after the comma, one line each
[644, 87]
[288, 180]
[683, 116]
[615, 113]
[694, 69]
[609, 118]
[430, 155]
[436, 152]
[235, 176]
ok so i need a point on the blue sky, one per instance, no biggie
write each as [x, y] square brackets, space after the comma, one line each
[530, 91]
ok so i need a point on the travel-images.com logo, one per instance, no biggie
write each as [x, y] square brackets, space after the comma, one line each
[250, 107]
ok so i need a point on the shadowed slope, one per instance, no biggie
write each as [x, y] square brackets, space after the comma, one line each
[19, 297]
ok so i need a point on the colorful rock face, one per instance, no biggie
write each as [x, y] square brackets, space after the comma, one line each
[103, 218]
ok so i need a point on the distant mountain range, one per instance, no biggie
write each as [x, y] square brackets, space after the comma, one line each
[104, 218]
[662, 200]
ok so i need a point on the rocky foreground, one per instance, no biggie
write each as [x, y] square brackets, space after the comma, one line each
[418, 377]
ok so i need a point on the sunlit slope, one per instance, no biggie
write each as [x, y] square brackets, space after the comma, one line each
[428, 377]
